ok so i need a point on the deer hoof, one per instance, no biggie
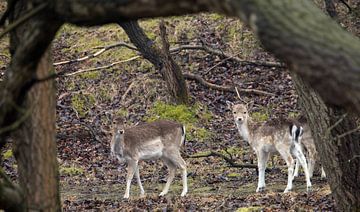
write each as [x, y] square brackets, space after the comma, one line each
[287, 190]
[308, 189]
[162, 194]
[261, 189]
[126, 196]
[183, 193]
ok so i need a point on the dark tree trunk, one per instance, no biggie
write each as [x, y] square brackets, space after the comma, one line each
[338, 145]
[35, 144]
[330, 8]
[169, 70]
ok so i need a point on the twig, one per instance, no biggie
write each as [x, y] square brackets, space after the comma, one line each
[63, 73]
[354, 157]
[348, 132]
[228, 160]
[219, 63]
[176, 50]
[102, 67]
[24, 18]
[128, 90]
[91, 130]
[102, 50]
[347, 5]
[199, 79]
[328, 131]
[231, 57]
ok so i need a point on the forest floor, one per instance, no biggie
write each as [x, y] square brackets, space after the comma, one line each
[92, 180]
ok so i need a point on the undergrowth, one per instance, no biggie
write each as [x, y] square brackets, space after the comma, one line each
[190, 116]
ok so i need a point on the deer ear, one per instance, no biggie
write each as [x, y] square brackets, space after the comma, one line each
[250, 105]
[229, 104]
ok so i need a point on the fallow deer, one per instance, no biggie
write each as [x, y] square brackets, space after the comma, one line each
[266, 139]
[305, 139]
[160, 139]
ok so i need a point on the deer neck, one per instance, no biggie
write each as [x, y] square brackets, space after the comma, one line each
[244, 131]
[119, 146]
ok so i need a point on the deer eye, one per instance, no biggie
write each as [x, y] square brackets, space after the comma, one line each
[244, 112]
[234, 112]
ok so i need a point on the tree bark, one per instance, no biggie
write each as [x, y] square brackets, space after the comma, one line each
[330, 8]
[339, 149]
[169, 69]
[35, 144]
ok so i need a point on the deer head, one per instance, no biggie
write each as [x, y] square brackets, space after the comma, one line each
[117, 139]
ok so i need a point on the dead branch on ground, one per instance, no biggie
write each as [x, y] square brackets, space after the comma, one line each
[227, 159]
[199, 79]
[223, 54]
[174, 50]
[102, 50]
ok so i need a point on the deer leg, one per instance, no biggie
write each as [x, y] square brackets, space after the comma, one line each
[301, 158]
[296, 171]
[132, 166]
[262, 160]
[137, 174]
[172, 169]
[311, 166]
[290, 162]
[182, 166]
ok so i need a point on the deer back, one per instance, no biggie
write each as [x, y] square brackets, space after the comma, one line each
[150, 139]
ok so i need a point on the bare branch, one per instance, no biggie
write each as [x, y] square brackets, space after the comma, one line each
[102, 50]
[227, 159]
[102, 67]
[228, 56]
[24, 18]
[199, 79]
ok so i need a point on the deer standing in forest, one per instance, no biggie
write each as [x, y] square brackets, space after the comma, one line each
[305, 139]
[266, 139]
[160, 139]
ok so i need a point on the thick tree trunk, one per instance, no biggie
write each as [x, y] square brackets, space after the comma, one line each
[35, 144]
[330, 8]
[169, 70]
[338, 145]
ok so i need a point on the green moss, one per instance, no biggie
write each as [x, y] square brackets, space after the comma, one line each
[82, 103]
[233, 175]
[260, 116]
[215, 16]
[233, 151]
[293, 114]
[7, 154]
[71, 85]
[122, 113]
[71, 171]
[191, 117]
[90, 75]
[250, 209]
[103, 94]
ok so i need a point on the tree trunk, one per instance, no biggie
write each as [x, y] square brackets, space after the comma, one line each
[339, 147]
[330, 8]
[169, 70]
[35, 144]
